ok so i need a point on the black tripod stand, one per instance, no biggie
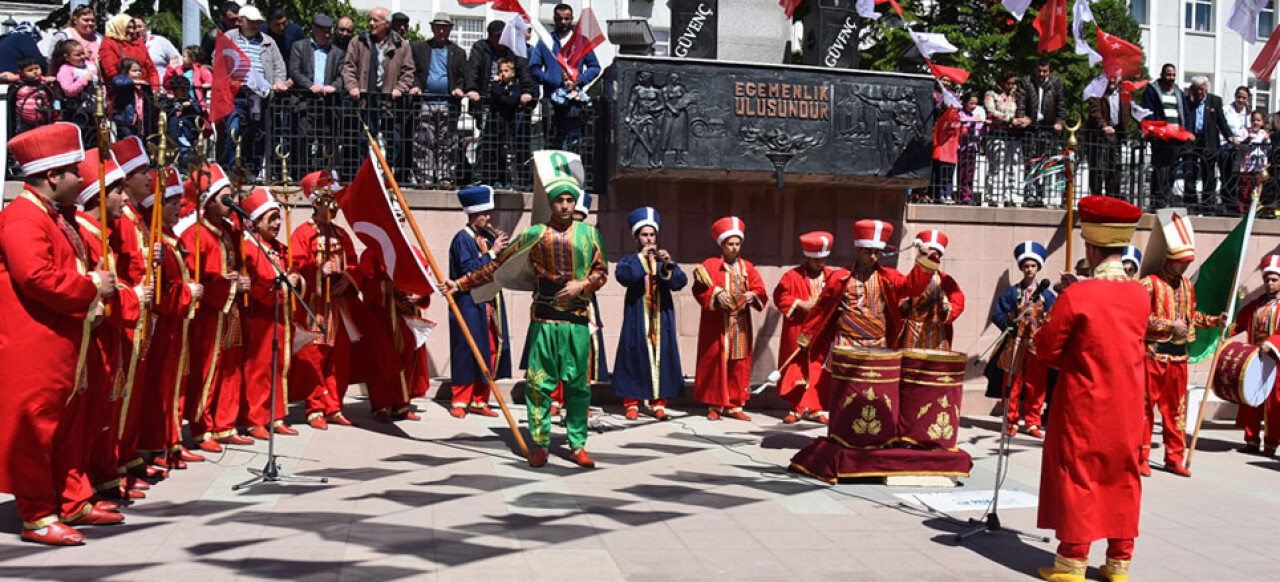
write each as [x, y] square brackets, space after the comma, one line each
[271, 473]
[991, 522]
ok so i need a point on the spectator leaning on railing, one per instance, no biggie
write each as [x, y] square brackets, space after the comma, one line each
[22, 41]
[161, 50]
[84, 28]
[379, 62]
[440, 76]
[1230, 157]
[1004, 152]
[267, 74]
[1041, 115]
[546, 69]
[123, 42]
[1206, 120]
[1167, 103]
[315, 67]
[282, 31]
[1108, 125]
[228, 19]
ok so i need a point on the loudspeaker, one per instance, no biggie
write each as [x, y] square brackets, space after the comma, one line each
[831, 35]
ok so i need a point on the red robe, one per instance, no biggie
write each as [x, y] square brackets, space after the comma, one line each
[1261, 319]
[107, 393]
[321, 370]
[821, 327]
[214, 379]
[46, 301]
[927, 324]
[169, 351]
[1089, 483]
[260, 318]
[129, 239]
[721, 380]
[800, 374]
[387, 354]
[1166, 375]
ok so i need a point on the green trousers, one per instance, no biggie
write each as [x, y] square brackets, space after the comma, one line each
[558, 353]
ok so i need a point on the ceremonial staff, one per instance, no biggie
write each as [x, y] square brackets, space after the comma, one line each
[157, 202]
[282, 197]
[1231, 312]
[104, 151]
[199, 176]
[237, 182]
[453, 305]
[1070, 201]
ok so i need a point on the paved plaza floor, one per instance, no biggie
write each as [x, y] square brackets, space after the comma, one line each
[689, 499]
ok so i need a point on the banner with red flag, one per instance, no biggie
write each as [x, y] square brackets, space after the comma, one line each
[1051, 22]
[954, 73]
[1267, 59]
[1120, 58]
[499, 5]
[230, 69]
[790, 6]
[587, 35]
[368, 210]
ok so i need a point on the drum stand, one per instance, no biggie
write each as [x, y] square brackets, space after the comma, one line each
[991, 522]
[271, 473]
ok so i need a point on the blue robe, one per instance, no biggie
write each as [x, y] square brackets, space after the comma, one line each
[633, 375]
[465, 257]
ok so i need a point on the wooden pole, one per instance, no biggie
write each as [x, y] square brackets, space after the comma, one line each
[1231, 311]
[453, 305]
[157, 201]
[104, 151]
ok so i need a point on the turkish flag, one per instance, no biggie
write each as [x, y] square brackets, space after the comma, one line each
[1165, 131]
[1267, 59]
[368, 209]
[1120, 58]
[586, 37]
[1052, 24]
[954, 73]
[230, 68]
[499, 5]
[790, 6]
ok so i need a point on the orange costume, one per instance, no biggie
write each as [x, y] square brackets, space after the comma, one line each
[928, 317]
[725, 335]
[1261, 319]
[802, 284]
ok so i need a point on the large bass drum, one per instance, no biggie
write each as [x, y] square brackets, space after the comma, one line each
[864, 396]
[929, 395]
[1241, 374]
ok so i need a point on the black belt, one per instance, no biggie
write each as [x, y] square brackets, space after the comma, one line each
[1170, 349]
[546, 308]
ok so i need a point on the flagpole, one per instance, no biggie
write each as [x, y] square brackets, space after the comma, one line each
[1231, 312]
[1071, 190]
[453, 305]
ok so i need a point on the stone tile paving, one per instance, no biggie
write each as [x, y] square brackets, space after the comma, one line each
[445, 499]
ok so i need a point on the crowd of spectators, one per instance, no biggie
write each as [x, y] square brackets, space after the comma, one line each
[411, 94]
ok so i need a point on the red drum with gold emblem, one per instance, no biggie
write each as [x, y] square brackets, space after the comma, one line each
[864, 396]
[929, 398]
[1241, 374]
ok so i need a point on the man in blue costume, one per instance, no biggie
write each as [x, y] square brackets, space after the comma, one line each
[473, 247]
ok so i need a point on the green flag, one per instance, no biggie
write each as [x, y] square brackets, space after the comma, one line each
[1214, 288]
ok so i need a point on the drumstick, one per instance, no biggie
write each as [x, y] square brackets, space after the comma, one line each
[776, 375]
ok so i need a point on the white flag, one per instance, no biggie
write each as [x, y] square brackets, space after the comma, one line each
[949, 98]
[1097, 87]
[867, 9]
[1016, 7]
[1139, 112]
[931, 43]
[1082, 14]
[513, 36]
[1244, 18]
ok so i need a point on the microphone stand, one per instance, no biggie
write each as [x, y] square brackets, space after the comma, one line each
[271, 473]
[991, 522]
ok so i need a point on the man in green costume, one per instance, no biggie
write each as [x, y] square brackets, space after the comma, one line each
[567, 262]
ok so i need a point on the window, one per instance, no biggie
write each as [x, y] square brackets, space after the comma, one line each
[1261, 95]
[1200, 15]
[661, 42]
[1139, 10]
[468, 31]
[1267, 20]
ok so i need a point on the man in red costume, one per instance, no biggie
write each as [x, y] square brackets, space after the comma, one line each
[130, 235]
[1090, 486]
[727, 288]
[795, 295]
[1261, 319]
[161, 422]
[214, 384]
[1170, 328]
[49, 299]
[389, 368]
[263, 314]
[325, 256]
[106, 363]
[859, 307]
[928, 317]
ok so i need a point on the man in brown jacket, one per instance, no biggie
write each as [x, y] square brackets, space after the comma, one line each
[1109, 121]
[379, 62]
[1041, 115]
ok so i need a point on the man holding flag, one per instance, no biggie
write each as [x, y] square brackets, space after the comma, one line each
[570, 62]
[266, 72]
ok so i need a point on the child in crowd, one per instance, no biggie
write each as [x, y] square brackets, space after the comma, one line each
[34, 98]
[78, 80]
[946, 143]
[129, 100]
[504, 109]
[1255, 159]
[973, 125]
[197, 75]
[185, 113]
[568, 105]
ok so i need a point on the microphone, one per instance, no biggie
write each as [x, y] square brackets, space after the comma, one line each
[1040, 289]
[230, 202]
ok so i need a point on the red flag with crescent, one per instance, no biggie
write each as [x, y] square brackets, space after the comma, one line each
[367, 206]
[230, 68]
